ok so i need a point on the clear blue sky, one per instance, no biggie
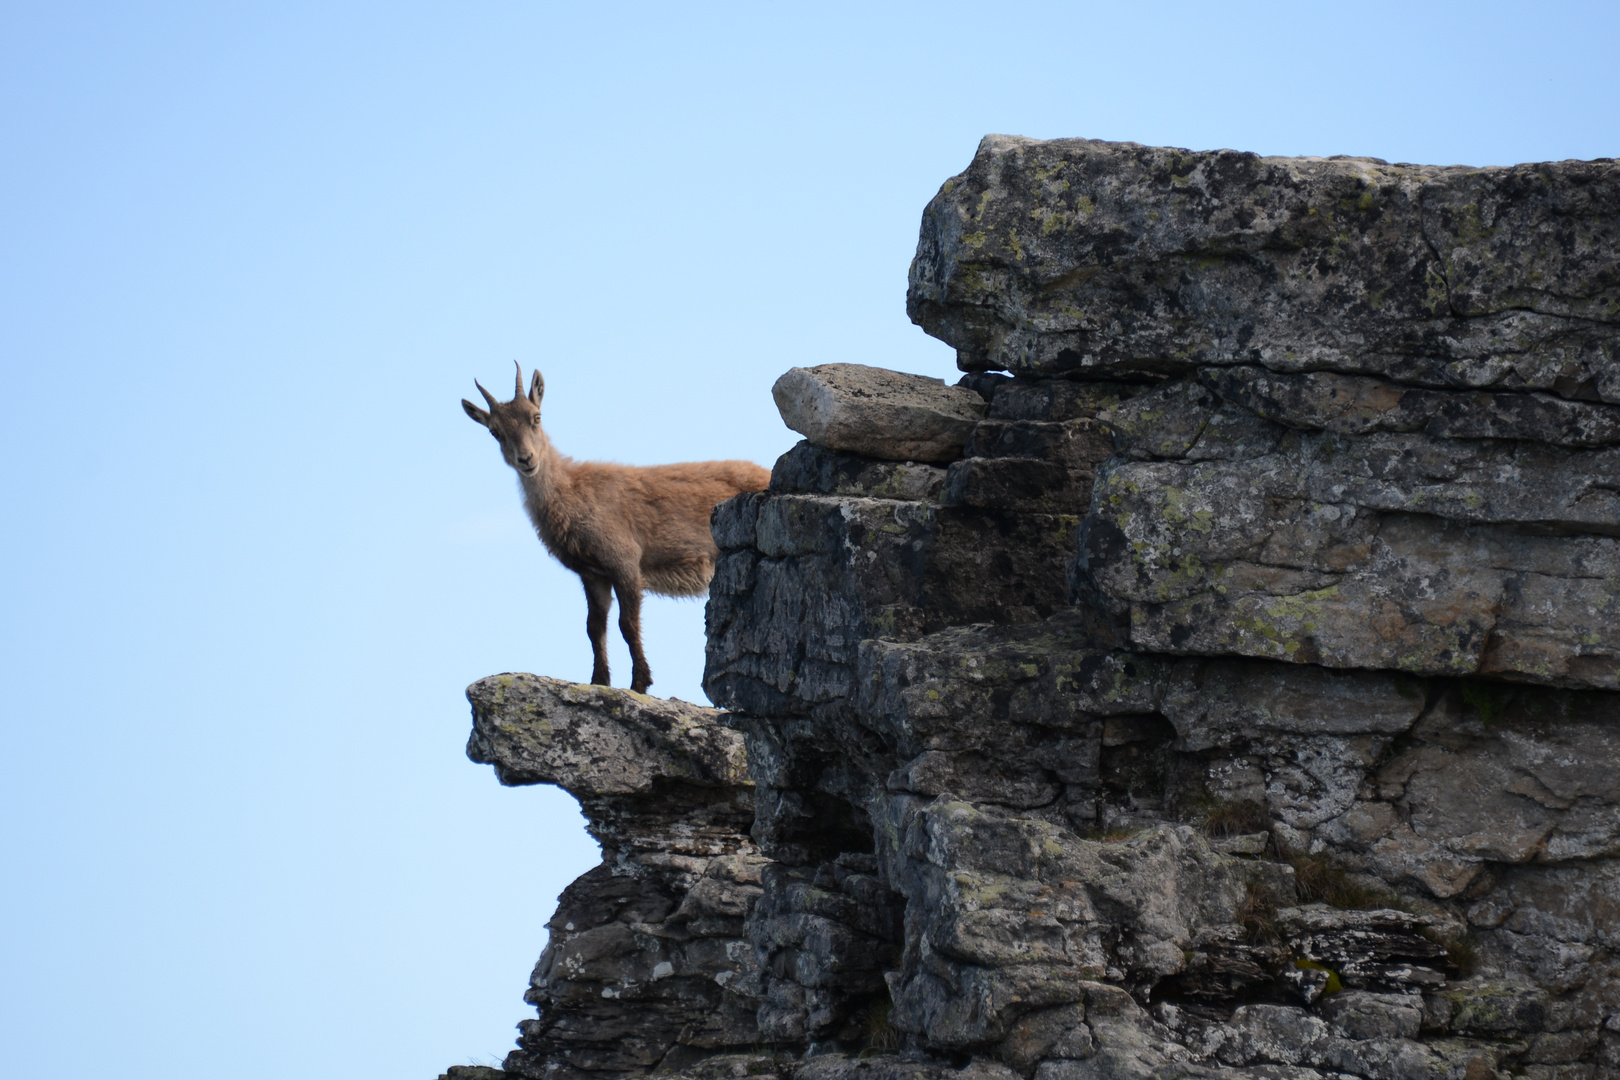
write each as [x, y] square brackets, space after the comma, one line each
[251, 255]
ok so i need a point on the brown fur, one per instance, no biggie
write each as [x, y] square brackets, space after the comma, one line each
[623, 529]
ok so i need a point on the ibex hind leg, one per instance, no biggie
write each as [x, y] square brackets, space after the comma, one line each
[630, 626]
[598, 598]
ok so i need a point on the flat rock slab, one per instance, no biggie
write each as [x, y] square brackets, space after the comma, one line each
[1075, 255]
[879, 413]
[595, 740]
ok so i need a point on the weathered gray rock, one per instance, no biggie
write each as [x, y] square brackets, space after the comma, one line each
[651, 774]
[1214, 701]
[1016, 914]
[808, 469]
[1378, 551]
[1033, 466]
[1358, 404]
[1072, 255]
[879, 413]
[1051, 400]
[595, 740]
[1496, 1008]
[1534, 783]
[1357, 1014]
[803, 579]
[823, 938]
[1276, 1034]
[1378, 948]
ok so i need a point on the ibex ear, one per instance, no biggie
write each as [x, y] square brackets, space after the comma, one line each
[475, 412]
[537, 388]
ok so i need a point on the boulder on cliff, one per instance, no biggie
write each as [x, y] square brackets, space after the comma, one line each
[879, 413]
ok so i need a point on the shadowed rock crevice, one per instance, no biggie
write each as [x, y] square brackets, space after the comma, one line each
[1220, 681]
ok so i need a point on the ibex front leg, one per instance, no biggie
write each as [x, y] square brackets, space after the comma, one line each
[598, 598]
[629, 591]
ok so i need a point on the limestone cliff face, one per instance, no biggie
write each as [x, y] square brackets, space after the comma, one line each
[1243, 698]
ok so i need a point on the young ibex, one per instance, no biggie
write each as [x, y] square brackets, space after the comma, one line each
[621, 528]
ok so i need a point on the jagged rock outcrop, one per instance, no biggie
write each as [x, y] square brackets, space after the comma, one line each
[1237, 696]
[645, 948]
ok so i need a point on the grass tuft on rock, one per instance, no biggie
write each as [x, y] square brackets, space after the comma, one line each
[1240, 818]
[1321, 880]
[877, 1033]
[1318, 878]
[1258, 916]
[1462, 952]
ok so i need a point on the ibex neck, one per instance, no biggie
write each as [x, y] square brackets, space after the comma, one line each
[550, 476]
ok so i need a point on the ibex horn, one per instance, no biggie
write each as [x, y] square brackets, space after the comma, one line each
[517, 391]
[489, 397]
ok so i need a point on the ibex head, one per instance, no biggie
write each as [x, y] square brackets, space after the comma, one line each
[516, 423]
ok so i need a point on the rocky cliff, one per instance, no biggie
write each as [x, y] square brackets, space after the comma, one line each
[1222, 680]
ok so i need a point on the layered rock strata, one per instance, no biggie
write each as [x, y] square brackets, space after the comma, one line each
[1387, 435]
[1239, 700]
